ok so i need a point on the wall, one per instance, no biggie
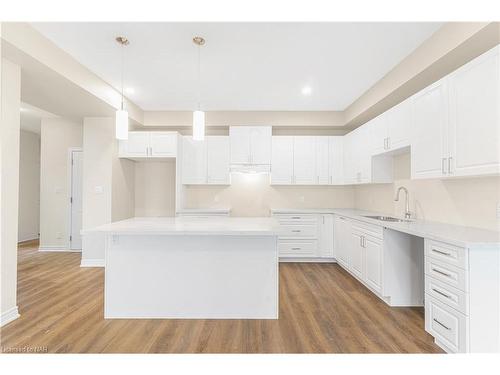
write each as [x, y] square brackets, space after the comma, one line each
[9, 157]
[467, 201]
[58, 135]
[155, 188]
[123, 187]
[252, 195]
[29, 186]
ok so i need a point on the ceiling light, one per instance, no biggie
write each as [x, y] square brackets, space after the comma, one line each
[199, 115]
[121, 117]
[129, 90]
[306, 90]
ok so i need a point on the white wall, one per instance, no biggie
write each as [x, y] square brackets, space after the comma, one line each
[29, 186]
[123, 187]
[465, 201]
[155, 188]
[10, 103]
[58, 135]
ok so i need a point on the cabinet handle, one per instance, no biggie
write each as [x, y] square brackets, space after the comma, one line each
[296, 231]
[441, 324]
[441, 252]
[296, 248]
[295, 217]
[388, 143]
[449, 164]
[443, 165]
[361, 241]
[443, 294]
[441, 272]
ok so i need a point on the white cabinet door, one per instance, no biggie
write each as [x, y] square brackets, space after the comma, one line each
[398, 120]
[326, 236]
[336, 160]
[373, 263]
[163, 144]
[428, 150]
[475, 117]
[218, 160]
[379, 134]
[282, 160]
[342, 241]
[349, 161]
[260, 144]
[363, 154]
[356, 254]
[136, 145]
[240, 144]
[322, 161]
[304, 157]
[194, 161]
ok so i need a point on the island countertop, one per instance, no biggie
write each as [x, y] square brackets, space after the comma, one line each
[224, 226]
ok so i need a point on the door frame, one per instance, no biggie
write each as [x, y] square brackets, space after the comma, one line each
[70, 191]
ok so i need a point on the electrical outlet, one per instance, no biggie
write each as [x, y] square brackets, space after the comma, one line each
[301, 198]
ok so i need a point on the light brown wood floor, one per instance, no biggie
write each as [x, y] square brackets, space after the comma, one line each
[322, 310]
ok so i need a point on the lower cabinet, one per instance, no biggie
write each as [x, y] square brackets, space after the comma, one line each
[305, 236]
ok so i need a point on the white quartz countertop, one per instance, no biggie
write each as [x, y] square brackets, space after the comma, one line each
[452, 234]
[203, 211]
[228, 226]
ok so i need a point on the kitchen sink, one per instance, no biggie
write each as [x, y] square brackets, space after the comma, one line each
[388, 218]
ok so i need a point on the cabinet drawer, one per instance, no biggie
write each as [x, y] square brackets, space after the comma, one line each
[445, 293]
[296, 218]
[368, 229]
[454, 255]
[446, 325]
[292, 248]
[446, 273]
[298, 231]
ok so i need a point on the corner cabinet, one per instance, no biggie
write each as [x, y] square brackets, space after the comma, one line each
[148, 145]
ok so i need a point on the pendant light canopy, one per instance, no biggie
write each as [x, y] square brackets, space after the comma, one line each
[121, 117]
[199, 115]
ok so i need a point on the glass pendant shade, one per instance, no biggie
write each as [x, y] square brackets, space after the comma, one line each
[198, 125]
[121, 124]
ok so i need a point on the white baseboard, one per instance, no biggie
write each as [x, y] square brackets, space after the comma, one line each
[306, 260]
[58, 248]
[28, 238]
[92, 263]
[8, 316]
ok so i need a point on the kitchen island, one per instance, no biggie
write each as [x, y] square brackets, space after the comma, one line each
[191, 268]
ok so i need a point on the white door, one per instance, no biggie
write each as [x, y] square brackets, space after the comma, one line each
[322, 160]
[137, 144]
[430, 122]
[163, 144]
[282, 160]
[260, 144]
[398, 121]
[218, 160]
[373, 263]
[326, 236]
[194, 161]
[356, 254]
[475, 117]
[379, 133]
[342, 240]
[304, 157]
[336, 160]
[76, 200]
[239, 137]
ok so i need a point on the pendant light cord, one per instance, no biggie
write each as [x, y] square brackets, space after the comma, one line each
[199, 76]
[122, 53]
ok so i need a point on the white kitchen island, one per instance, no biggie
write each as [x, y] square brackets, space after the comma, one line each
[191, 268]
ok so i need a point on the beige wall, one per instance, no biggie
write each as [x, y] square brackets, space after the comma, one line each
[29, 186]
[123, 187]
[155, 188]
[10, 100]
[252, 195]
[467, 201]
[58, 135]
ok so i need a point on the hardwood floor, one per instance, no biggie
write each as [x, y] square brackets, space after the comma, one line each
[322, 310]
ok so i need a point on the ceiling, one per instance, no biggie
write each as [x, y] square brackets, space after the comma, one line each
[244, 66]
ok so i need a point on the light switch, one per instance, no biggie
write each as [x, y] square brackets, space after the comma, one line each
[98, 189]
[58, 190]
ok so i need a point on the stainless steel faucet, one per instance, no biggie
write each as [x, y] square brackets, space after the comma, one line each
[407, 201]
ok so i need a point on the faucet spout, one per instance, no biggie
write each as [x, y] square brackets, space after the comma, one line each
[407, 201]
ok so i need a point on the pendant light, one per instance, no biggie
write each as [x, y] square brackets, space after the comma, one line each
[121, 118]
[199, 115]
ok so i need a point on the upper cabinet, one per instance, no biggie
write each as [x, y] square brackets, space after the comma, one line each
[456, 122]
[205, 162]
[304, 160]
[140, 145]
[391, 130]
[250, 144]
[336, 160]
[357, 156]
[282, 160]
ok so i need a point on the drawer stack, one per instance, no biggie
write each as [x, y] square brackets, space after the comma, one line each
[447, 295]
[298, 236]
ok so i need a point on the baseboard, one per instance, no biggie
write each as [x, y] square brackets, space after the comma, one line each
[92, 263]
[58, 248]
[8, 316]
[306, 260]
[28, 239]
